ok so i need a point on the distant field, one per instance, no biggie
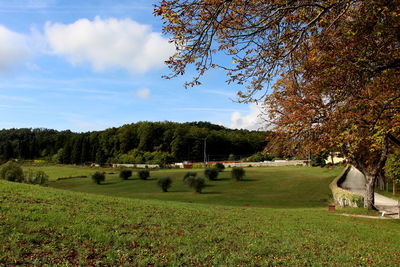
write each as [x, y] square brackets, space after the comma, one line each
[40, 225]
[290, 187]
[59, 171]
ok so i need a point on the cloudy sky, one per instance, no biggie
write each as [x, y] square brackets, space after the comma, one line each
[95, 64]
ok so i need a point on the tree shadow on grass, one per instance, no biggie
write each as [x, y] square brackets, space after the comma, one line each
[108, 183]
[211, 193]
[248, 180]
[222, 179]
[129, 179]
[178, 191]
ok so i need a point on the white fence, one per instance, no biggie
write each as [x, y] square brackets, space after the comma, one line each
[140, 166]
[275, 163]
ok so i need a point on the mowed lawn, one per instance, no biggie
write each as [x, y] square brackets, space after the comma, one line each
[285, 187]
[40, 225]
[62, 171]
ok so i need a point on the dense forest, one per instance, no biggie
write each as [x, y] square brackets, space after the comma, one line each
[142, 142]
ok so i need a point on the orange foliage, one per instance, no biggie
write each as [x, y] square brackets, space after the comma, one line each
[338, 63]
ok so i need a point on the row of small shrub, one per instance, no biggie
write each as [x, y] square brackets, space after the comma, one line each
[196, 182]
[191, 179]
[13, 172]
[125, 174]
[99, 177]
[164, 183]
[237, 173]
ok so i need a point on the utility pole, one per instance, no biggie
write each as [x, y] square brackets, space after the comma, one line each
[204, 146]
[205, 150]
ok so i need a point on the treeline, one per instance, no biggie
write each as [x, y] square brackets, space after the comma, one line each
[142, 142]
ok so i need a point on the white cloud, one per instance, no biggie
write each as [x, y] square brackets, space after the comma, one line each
[84, 126]
[143, 93]
[251, 121]
[14, 49]
[109, 43]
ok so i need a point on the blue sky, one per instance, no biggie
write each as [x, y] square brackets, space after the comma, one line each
[95, 64]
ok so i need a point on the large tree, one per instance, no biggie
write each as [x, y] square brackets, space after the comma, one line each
[332, 66]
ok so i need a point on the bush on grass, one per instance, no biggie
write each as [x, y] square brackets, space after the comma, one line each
[144, 174]
[164, 183]
[36, 177]
[98, 177]
[237, 173]
[11, 171]
[319, 160]
[220, 166]
[125, 174]
[189, 175]
[211, 173]
[196, 182]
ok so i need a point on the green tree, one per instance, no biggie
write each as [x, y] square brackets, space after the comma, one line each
[98, 177]
[164, 183]
[58, 157]
[392, 170]
[195, 182]
[211, 173]
[11, 171]
[189, 175]
[36, 177]
[319, 160]
[237, 173]
[101, 157]
[144, 174]
[125, 174]
[220, 166]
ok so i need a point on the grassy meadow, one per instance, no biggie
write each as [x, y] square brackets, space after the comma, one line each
[63, 171]
[277, 216]
[285, 187]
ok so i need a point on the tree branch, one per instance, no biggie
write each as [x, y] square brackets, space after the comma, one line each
[394, 140]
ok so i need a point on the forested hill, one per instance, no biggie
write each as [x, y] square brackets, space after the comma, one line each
[142, 142]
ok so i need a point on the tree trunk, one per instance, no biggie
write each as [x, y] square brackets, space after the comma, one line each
[369, 198]
[371, 171]
[394, 189]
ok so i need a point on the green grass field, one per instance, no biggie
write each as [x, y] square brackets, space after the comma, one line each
[277, 217]
[60, 171]
[285, 187]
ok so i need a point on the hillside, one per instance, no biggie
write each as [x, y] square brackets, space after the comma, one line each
[142, 142]
[41, 225]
